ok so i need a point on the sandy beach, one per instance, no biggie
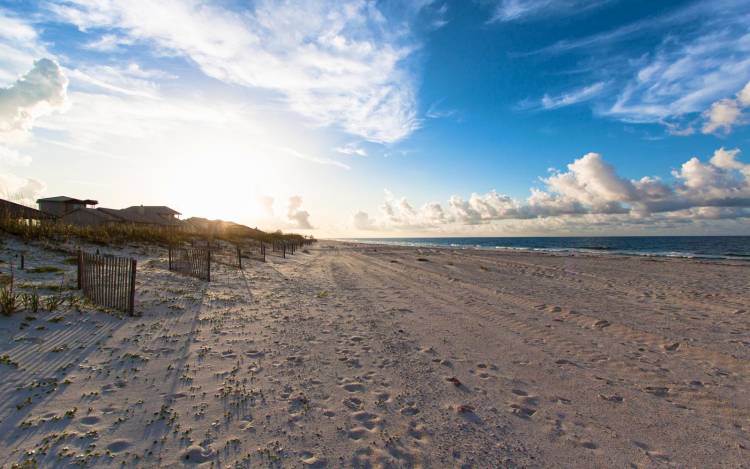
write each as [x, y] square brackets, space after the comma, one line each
[352, 355]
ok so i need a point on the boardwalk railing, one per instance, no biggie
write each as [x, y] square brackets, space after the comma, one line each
[195, 262]
[107, 280]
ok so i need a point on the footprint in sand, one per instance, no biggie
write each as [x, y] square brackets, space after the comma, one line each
[353, 403]
[311, 460]
[367, 419]
[196, 454]
[410, 409]
[118, 445]
[525, 405]
[354, 387]
[90, 420]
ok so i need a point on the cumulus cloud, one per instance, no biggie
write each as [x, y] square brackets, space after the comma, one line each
[19, 189]
[266, 204]
[338, 63]
[39, 92]
[726, 113]
[591, 189]
[300, 218]
[362, 221]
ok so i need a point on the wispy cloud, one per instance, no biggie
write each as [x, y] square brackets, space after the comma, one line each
[573, 96]
[338, 64]
[351, 149]
[524, 10]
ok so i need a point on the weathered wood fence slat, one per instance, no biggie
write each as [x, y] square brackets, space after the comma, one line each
[107, 280]
[195, 262]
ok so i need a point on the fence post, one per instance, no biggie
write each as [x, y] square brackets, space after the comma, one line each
[80, 266]
[239, 257]
[208, 267]
[131, 306]
[169, 249]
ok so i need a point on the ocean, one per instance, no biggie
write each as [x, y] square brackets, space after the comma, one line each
[707, 247]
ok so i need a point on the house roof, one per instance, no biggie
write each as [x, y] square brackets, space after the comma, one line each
[162, 209]
[21, 211]
[133, 216]
[93, 212]
[65, 198]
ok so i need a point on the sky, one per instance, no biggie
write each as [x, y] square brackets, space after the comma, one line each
[357, 118]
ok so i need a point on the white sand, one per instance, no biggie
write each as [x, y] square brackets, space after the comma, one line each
[364, 356]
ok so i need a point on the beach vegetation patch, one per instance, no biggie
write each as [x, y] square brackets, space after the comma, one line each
[9, 300]
[45, 269]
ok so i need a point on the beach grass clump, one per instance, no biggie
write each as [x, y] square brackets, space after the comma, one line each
[117, 234]
[31, 301]
[53, 302]
[9, 300]
[45, 269]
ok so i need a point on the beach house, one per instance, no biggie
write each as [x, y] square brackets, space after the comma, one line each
[60, 205]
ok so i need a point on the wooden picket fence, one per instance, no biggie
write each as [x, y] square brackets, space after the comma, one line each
[195, 262]
[107, 280]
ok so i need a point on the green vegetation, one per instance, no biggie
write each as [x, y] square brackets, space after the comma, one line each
[31, 301]
[9, 299]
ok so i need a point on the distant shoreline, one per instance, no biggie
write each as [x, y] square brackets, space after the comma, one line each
[740, 251]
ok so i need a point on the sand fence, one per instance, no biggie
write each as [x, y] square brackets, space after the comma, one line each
[107, 280]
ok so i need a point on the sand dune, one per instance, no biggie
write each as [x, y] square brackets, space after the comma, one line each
[371, 356]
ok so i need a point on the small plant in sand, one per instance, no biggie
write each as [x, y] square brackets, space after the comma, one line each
[31, 301]
[51, 303]
[9, 301]
[5, 360]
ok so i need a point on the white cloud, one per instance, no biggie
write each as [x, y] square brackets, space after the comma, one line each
[338, 63]
[362, 221]
[592, 188]
[300, 218]
[722, 115]
[726, 113]
[519, 10]
[572, 97]
[744, 95]
[12, 157]
[109, 43]
[20, 190]
[19, 46]
[39, 92]
[351, 149]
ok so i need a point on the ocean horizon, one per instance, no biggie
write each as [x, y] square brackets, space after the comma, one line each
[703, 247]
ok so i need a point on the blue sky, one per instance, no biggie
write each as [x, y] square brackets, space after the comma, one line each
[389, 118]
